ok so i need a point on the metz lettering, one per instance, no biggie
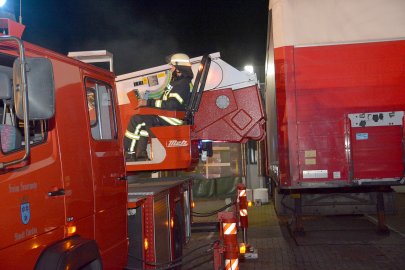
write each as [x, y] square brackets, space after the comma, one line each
[175, 143]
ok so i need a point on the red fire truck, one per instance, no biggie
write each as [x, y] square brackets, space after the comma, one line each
[69, 199]
[225, 105]
[335, 101]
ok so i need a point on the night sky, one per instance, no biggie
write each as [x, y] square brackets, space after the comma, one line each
[141, 33]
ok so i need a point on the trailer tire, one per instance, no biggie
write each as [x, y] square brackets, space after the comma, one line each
[74, 253]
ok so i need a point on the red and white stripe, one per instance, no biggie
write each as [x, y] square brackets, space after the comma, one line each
[243, 212]
[242, 192]
[229, 228]
[232, 264]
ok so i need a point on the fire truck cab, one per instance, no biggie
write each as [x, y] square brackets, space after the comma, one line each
[61, 163]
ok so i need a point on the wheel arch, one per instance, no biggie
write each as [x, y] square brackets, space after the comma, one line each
[75, 252]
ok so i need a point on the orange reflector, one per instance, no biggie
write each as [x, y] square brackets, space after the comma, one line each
[200, 67]
[242, 248]
[250, 203]
[71, 230]
[172, 223]
[192, 204]
[146, 244]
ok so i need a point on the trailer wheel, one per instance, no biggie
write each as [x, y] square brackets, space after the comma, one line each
[74, 253]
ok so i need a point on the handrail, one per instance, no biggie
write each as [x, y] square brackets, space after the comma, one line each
[198, 89]
[24, 89]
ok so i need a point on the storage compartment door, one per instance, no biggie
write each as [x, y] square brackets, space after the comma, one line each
[377, 145]
[162, 229]
[135, 237]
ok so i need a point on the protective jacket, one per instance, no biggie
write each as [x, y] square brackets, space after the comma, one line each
[175, 97]
[177, 93]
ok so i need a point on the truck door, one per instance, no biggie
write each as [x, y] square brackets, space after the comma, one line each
[108, 171]
[33, 201]
[32, 208]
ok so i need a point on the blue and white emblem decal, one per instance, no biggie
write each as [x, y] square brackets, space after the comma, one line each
[25, 212]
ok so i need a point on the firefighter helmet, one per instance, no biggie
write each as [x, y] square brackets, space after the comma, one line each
[180, 59]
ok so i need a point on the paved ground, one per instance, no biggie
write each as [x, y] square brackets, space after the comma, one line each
[339, 242]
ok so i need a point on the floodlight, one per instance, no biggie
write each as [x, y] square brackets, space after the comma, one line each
[2, 2]
[249, 68]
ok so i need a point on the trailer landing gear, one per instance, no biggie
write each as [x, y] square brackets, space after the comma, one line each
[381, 226]
[298, 225]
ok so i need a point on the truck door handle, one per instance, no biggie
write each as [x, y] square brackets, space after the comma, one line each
[59, 192]
[122, 178]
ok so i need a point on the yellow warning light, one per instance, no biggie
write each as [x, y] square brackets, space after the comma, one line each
[250, 203]
[192, 204]
[71, 230]
[172, 223]
[146, 244]
[242, 248]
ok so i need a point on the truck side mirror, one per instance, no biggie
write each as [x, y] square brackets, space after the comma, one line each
[40, 87]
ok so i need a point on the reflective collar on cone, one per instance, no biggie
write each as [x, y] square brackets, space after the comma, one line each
[229, 228]
[231, 264]
[243, 212]
[242, 192]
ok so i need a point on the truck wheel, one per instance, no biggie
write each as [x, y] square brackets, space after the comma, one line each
[94, 265]
[75, 253]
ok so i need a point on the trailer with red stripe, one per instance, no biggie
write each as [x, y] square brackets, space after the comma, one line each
[335, 105]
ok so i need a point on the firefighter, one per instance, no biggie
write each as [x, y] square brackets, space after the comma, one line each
[175, 97]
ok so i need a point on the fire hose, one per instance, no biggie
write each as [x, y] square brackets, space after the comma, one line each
[197, 214]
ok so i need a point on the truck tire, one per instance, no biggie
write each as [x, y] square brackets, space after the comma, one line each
[94, 265]
[75, 253]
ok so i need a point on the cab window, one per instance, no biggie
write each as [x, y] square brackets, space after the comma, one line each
[100, 105]
[11, 128]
